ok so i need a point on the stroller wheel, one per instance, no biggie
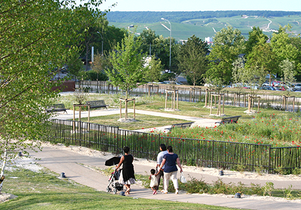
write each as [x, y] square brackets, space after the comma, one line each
[108, 189]
[114, 190]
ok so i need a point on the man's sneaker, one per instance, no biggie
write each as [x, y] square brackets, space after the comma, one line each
[177, 192]
[164, 192]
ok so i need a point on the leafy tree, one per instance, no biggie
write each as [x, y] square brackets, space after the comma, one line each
[127, 65]
[262, 57]
[296, 41]
[148, 41]
[287, 68]
[238, 73]
[228, 44]
[192, 59]
[255, 36]
[153, 73]
[74, 66]
[35, 41]
[284, 49]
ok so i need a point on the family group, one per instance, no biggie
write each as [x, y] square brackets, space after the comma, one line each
[165, 168]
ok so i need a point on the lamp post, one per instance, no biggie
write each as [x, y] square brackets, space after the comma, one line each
[101, 56]
[169, 29]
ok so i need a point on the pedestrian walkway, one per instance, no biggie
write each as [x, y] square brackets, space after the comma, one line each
[201, 122]
[79, 168]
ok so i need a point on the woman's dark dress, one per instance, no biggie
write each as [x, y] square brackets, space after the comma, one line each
[128, 169]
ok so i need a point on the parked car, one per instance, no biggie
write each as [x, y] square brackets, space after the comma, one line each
[267, 87]
[297, 87]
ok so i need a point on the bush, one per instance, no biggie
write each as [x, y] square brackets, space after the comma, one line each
[92, 75]
[196, 186]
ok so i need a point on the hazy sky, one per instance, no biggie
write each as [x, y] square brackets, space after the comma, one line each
[201, 5]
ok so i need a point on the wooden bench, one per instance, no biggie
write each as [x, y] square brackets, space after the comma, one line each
[181, 125]
[97, 104]
[227, 120]
[56, 108]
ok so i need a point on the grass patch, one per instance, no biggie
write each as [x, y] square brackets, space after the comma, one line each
[43, 190]
[142, 121]
[275, 129]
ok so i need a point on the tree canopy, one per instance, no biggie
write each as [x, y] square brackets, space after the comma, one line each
[192, 59]
[37, 38]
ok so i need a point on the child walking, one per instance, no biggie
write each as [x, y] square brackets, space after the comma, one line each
[153, 181]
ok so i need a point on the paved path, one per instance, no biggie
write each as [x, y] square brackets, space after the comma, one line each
[198, 121]
[79, 168]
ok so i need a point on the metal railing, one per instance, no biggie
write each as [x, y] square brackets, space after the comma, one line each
[197, 94]
[207, 153]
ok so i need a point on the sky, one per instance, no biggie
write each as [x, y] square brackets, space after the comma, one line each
[201, 5]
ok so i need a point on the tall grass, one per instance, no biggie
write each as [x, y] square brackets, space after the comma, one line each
[272, 129]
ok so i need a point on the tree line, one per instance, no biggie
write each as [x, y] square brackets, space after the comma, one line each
[178, 17]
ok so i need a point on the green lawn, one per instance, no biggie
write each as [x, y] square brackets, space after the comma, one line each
[142, 121]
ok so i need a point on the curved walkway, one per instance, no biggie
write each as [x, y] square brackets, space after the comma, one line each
[202, 122]
[79, 168]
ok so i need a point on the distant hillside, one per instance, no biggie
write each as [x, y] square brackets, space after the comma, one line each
[178, 17]
[207, 23]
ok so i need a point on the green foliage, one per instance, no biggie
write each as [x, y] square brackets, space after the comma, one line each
[228, 44]
[255, 37]
[92, 75]
[167, 77]
[192, 59]
[153, 73]
[280, 170]
[259, 170]
[282, 46]
[288, 192]
[127, 64]
[272, 129]
[196, 186]
[288, 72]
[297, 171]
[38, 38]
[268, 188]
[240, 167]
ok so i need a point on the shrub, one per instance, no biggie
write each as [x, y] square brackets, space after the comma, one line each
[196, 186]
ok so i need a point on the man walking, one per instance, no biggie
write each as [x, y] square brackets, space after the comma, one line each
[159, 161]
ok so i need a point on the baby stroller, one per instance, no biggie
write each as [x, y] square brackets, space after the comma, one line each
[114, 185]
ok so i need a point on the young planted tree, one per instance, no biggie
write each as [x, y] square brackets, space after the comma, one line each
[35, 41]
[192, 59]
[238, 75]
[127, 62]
[288, 70]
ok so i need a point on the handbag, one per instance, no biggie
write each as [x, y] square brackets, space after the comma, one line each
[182, 178]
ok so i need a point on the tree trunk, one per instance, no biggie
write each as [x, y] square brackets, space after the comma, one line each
[126, 104]
[3, 167]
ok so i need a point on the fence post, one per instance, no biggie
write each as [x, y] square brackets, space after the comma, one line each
[212, 154]
[269, 159]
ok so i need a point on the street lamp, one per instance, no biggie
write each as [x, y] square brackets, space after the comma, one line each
[169, 29]
[101, 42]
[101, 56]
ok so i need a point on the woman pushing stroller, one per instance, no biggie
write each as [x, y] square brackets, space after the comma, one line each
[127, 176]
